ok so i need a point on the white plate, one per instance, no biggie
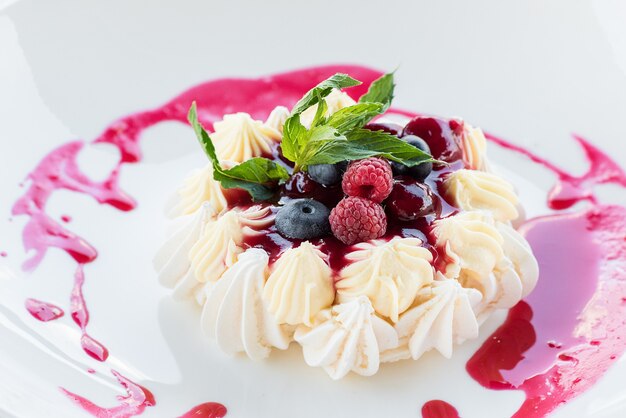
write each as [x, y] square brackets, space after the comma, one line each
[533, 71]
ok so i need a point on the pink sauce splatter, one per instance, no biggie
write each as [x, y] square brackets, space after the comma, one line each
[562, 352]
[570, 189]
[206, 410]
[555, 351]
[439, 409]
[3, 254]
[561, 349]
[137, 399]
[43, 311]
[80, 315]
[66, 218]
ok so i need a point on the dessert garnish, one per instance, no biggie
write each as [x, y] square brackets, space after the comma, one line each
[350, 238]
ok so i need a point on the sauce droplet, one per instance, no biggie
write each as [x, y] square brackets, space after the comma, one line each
[43, 311]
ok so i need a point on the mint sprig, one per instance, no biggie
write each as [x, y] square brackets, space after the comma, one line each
[380, 91]
[329, 140]
[255, 175]
[338, 81]
[341, 136]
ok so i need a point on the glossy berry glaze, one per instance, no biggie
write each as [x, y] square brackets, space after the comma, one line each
[530, 351]
[43, 311]
[439, 409]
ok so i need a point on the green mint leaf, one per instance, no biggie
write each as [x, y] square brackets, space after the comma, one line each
[380, 91]
[355, 116]
[252, 175]
[293, 132]
[333, 151]
[388, 146]
[320, 113]
[362, 143]
[323, 89]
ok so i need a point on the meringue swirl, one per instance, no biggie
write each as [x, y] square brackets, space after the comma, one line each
[474, 146]
[172, 260]
[299, 286]
[220, 242]
[234, 312]
[198, 188]
[277, 118]
[478, 190]
[489, 256]
[350, 338]
[389, 273]
[238, 138]
[443, 316]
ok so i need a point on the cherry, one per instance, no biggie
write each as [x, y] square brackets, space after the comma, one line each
[301, 185]
[410, 200]
[298, 185]
[443, 136]
[389, 127]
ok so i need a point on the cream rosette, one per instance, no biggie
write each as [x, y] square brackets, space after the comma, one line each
[489, 256]
[204, 247]
[238, 138]
[299, 286]
[277, 118]
[473, 190]
[172, 260]
[442, 316]
[348, 337]
[335, 101]
[474, 146]
[235, 314]
[389, 273]
[197, 189]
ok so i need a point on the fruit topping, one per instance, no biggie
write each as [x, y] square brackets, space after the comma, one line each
[357, 219]
[370, 178]
[303, 219]
[389, 127]
[299, 185]
[327, 174]
[420, 171]
[410, 200]
[443, 137]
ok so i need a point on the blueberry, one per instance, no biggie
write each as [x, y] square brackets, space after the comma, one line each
[327, 174]
[420, 171]
[303, 219]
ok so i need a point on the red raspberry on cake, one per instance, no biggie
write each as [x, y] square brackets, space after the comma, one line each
[357, 219]
[370, 178]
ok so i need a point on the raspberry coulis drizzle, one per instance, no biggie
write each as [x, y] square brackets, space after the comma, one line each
[439, 409]
[43, 311]
[514, 367]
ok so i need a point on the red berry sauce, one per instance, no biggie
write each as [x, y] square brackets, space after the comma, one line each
[43, 311]
[439, 409]
[442, 135]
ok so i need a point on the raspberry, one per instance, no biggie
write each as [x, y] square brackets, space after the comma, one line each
[356, 219]
[370, 178]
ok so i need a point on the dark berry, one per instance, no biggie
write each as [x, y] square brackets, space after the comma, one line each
[442, 136]
[298, 185]
[327, 174]
[303, 219]
[410, 200]
[420, 171]
[389, 127]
